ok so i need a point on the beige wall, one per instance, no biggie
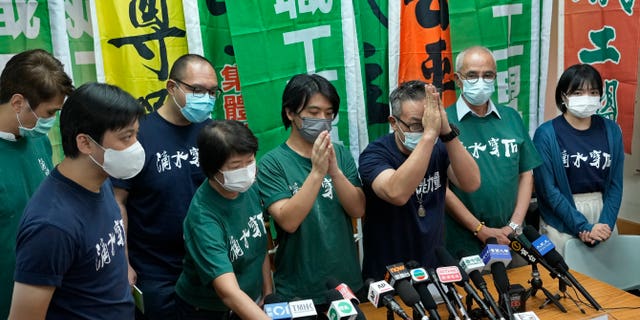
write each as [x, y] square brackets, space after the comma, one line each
[630, 209]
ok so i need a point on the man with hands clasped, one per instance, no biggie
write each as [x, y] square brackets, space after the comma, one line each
[405, 175]
[311, 189]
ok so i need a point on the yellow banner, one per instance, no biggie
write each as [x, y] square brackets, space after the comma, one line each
[139, 44]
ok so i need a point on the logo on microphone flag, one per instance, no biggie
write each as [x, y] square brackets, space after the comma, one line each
[543, 244]
[449, 274]
[419, 275]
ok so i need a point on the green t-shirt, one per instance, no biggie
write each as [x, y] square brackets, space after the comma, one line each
[323, 244]
[23, 165]
[221, 236]
[502, 149]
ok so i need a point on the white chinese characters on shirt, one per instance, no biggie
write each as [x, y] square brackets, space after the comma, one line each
[596, 158]
[496, 147]
[106, 250]
[255, 229]
[166, 161]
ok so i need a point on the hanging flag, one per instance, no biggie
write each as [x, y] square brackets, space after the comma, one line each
[422, 45]
[80, 38]
[208, 35]
[511, 30]
[136, 45]
[273, 41]
[606, 35]
[374, 19]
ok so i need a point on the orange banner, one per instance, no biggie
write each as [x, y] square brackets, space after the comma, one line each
[607, 37]
[425, 46]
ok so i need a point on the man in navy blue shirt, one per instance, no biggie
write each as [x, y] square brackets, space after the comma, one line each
[70, 249]
[155, 202]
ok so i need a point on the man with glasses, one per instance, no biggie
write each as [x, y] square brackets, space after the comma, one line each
[155, 202]
[498, 141]
[405, 175]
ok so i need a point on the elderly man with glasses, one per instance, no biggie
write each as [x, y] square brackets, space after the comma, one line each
[498, 141]
[155, 201]
[405, 176]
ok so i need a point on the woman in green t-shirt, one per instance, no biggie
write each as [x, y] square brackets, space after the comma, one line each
[226, 267]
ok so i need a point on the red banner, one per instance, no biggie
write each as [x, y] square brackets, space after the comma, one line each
[607, 37]
[425, 46]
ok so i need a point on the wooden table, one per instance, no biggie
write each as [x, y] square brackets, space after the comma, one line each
[607, 296]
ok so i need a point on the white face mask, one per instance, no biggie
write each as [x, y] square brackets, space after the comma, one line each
[122, 164]
[583, 106]
[239, 180]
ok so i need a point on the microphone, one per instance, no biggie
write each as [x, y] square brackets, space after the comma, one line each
[545, 247]
[276, 308]
[340, 308]
[398, 277]
[472, 266]
[445, 298]
[345, 291]
[303, 309]
[496, 257]
[447, 276]
[419, 280]
[446, 259]
[381, 294]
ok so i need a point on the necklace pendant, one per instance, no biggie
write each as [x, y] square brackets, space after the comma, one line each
[421, 211]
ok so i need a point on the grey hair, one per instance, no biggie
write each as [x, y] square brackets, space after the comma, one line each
[411, 90]
[460, 57]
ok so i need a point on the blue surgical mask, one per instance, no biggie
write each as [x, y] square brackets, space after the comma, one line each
[42, 127]
[411, 139]
[312, 127]
[196, 109]
[477, 93]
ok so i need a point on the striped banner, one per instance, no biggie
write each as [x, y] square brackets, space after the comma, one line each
[136, 44]
[511, 29]
[607, 36]
[282, 38]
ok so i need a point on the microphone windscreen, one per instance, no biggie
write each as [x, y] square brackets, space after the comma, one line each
[412, 264]
[477, 279]
[552, 257]
[273, 298]
[332, 283]
[407, 293]
[446, 259]
[491, 240]
[333, 295]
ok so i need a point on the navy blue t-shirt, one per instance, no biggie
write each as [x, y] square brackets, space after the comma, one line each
[159, 196]
[395, 234]
[74, 239]
[584, 155]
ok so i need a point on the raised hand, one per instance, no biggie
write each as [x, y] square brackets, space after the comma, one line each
[321, 153]
[432, 116]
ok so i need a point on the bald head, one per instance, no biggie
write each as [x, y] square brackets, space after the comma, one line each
[476, 55]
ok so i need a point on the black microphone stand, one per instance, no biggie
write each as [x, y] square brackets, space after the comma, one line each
[536, 284]
[390, 315]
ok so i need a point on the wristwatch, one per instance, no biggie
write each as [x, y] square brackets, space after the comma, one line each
[451, 135]
[517, 229]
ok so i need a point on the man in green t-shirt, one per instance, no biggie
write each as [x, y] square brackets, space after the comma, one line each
[312, 190]
[33, 86]
[496, 138]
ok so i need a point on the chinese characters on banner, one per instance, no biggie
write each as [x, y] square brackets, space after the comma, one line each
[425, 45]
[606, 35]
[138, 44]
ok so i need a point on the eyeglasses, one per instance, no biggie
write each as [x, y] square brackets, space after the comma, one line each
[199, 92]
[473, 77]
[414, 127]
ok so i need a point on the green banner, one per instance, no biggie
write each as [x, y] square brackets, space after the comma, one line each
[274, 40]
[80, 33]
[511, 30]
[217, 47]
[375, 46]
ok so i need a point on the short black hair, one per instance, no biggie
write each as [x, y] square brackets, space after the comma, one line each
[37, 75]
[93, 109]
[301, 88]
[219, 140]
[407, 91]
[573, 79]
[179, 67]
